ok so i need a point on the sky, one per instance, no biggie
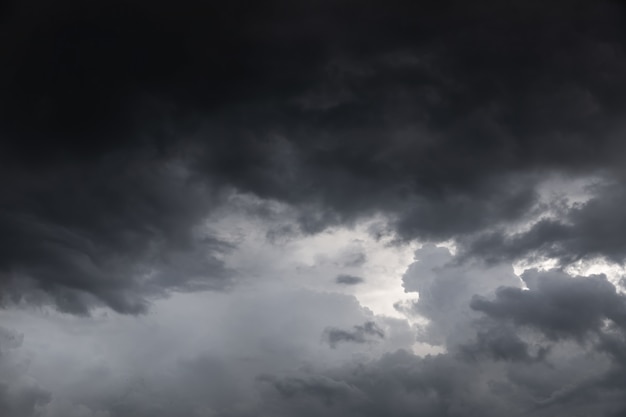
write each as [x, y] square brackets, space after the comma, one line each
[316, 208]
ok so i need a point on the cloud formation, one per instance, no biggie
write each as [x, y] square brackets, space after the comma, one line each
[545, 351]
[361, 334]
[126, 122]
[541, 351]
[185, 187]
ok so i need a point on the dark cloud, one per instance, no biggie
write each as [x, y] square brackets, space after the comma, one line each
[502, 343]
[559, 305]
[345, 279]
[400, 383]
[587, 310]
[123, 120]
[364, 333]
[127, 126]
[112, 231]
[584, 231]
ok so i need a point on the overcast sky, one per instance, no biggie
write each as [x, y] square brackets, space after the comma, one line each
[312, 208]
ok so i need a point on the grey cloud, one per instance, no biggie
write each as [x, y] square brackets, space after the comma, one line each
[443, 119]
[10, 339]
[361, 334]
[19, 395]
[557, 304]
[317, 386]
[445, 289]
[508, 358]
[585, 231]
[504, 358]
[353, 258]
[587, 310]
[502, 343]
[400, 383]
[346, 279]
[112, 232]
[163, 365]
[68, 409]
[22, 401]
[127, 125]
[500, 364]
[538, 356]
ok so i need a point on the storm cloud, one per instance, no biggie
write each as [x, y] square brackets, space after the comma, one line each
[312, 208]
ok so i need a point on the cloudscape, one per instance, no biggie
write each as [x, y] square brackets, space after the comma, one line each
[312, 208]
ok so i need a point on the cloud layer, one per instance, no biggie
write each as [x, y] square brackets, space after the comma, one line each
[126, 122]
[206, 208]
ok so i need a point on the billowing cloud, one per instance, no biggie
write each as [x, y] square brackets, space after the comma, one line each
[126, 123]
[538, 351]
[584, 231]
[545, 350]
[557, 304]
[209, 209]
[107, 232]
